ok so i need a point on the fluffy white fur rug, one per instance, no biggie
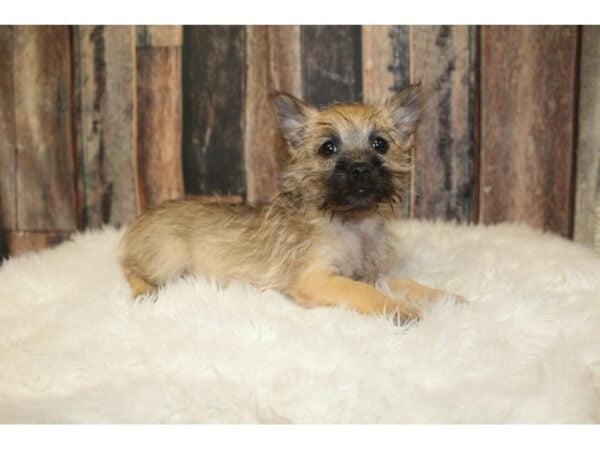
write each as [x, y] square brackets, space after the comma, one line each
[75, 348]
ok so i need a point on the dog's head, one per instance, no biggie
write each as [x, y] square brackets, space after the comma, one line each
[348, 157]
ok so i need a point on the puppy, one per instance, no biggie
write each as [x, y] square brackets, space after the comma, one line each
[322, 241]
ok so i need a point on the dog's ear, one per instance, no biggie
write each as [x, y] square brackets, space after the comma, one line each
[292, 114]
[404, 108]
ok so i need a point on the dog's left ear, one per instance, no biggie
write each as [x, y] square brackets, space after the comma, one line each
[404, 108]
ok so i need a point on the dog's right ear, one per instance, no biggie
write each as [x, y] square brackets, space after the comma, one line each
[292, 114]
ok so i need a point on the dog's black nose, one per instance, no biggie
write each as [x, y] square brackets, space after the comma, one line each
[361, 170]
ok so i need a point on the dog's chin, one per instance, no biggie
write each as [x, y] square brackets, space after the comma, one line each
[357, 200]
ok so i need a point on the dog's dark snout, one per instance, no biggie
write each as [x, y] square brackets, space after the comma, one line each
[361, 170]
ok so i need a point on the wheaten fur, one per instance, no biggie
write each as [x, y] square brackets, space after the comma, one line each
[323, 239]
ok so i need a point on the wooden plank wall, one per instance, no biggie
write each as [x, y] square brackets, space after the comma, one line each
[99, 123]
[38, 87]
[528, 80]
[213, 80]
[272, 64]
[159, 118]
[90, 119]
[587, 188]
[8, 161]
[107, 123]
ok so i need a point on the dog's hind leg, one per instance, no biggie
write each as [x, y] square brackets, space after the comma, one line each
[139, 286]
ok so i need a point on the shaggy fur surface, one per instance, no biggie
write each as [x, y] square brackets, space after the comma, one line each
[75, 348]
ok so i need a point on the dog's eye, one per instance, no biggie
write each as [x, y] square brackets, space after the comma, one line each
[327, 149]
[380, 145]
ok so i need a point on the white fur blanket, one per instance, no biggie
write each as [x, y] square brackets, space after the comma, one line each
[526, 348]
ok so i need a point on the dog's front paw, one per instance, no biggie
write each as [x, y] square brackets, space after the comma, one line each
[404, 312]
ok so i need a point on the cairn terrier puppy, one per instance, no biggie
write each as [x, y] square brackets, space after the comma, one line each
[322, 240]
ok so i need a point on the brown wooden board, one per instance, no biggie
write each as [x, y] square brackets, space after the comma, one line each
[442, 60]
[20, 242]
[159, 35]
[213, 80]
[273, 64]
[106, 115]
[8, 162]
[46, 197]
[385, 60]
[159, 124]
[331, 63]
[386, 69]
[587, 186]
[527, 119]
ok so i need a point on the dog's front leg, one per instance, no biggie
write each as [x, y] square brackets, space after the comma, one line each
[316, 289]
[414, 292]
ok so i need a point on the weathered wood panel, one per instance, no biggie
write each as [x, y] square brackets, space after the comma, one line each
[46, 197]
[331, 64]
[20, 242]
[4, 246]
[587, 186]
[213, 79]
[159, 35]
[385, 60]
[159, 124]
[442, 60]
[273, 64]
[527, 117]
[386, 69]
[8, 162]
[106, 87]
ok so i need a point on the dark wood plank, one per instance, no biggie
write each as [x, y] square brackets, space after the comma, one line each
[527, 117]
[4, 245]
[331, 63]
[273, 63]
[587, 186]
[106, 88]
[159, 35]
[46, 197]
[8, 162]
[213, 79]
[442, 61]
[20, 242]
[386, 69]
[159, 124]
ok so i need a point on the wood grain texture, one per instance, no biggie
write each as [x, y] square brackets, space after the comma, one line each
[331, 64]
[587, 185]
[159, 35]
[386, 69]
[527, 116]
[159, 124]
[8, 161]
[442, 60]
[272, 64]
[106, 88]
[213, 79]
[20, 242]
[385, 60]
[46, 197]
